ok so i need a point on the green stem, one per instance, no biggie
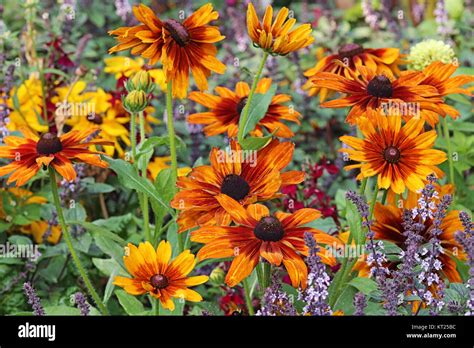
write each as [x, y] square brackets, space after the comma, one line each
[67, 238]
[374, 199]
[450, 152]
[133, 135]
[141, 119]
[43, 95]
[246, 111]
[260, 277]
[157, 307]
[384, 197]
[267, 273]
[338, 278]
[180, 242]
[248, 300]
[145, 210]
[346, 272]
[363, 184]
[171, 133]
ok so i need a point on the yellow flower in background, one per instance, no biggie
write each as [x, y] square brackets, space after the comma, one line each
[152, 271]
[38, 229]
[122, 66]
[113, 127]
[275, 36]
[158, 76]
[159, 163]
[125, 66]
[22, 198]
[26, 103]
[72, 103]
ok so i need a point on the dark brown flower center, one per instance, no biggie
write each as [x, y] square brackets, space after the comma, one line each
[178, 31]
[48, 144]
[235, 186]
[241, 105]
[350, 50]
[95, 118]
[159, 281]
[380, 87]
[391, 154]
[269, 229]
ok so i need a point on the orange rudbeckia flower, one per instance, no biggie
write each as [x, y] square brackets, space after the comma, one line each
[384, 61]
[181, 46]
[225, 110]
[399, 156]
[438, 75]
[29, 154]
[371, 94]
[153, 272]
[277, 238]
[275, 37]
[246, 179]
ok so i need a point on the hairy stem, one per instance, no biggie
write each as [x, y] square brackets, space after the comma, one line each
[450, 152]
[246, 110]
[248, 300]
[171, 133]
[68, 239]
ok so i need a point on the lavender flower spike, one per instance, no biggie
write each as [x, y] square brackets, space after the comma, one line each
[275, 301]
[33, 299]
[466, 239]
[81, 302]
[360, 302]
[316, 293]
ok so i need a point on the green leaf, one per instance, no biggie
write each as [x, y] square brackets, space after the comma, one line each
[152, 142]
[164, 184]
[257, 110]
[355, 224]
[99, 187]
[21, 220]
[109, 288]
[459, 98]
[19, 240]
[78, 213]
[172, 237]
[345, 301]
[115, 223]
[98, 230]
[364, 285]
[110, 247]
[129, 303]
[108, 266]
[255, 143]
[128, 177]
[61, 310]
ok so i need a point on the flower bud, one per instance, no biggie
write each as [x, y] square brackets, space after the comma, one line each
[217, 276]
[135, 101]
[140, 81]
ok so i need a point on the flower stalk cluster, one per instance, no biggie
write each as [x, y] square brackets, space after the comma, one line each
[33, 299]
[466, 239]
[276, 302]
[316, 294]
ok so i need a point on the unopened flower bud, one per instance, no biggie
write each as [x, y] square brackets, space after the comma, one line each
[135, 101]
[140, 81]
[217, 276]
